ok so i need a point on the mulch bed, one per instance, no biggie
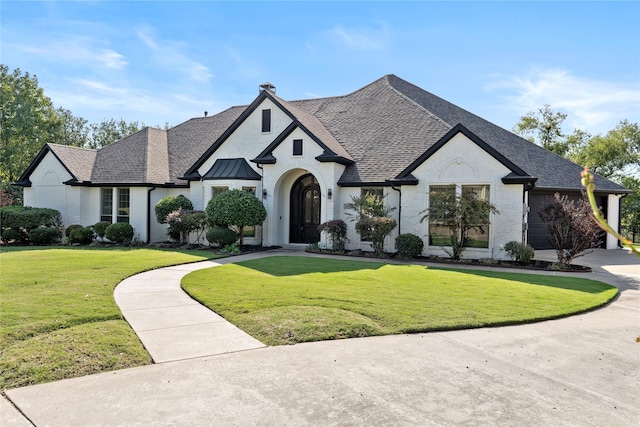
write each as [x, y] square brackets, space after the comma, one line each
[485, 262]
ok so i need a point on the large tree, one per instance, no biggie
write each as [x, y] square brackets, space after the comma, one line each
[544, 128]
[28, 120]
[109, 131]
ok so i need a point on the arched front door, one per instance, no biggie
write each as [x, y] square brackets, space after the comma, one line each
[305, 210]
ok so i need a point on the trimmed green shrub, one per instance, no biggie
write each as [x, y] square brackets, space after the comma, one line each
[171, 204]
[378, 227]
[12, 235]
[70, 229]
[82, 235]
[100, 228]
[27, 218]
[519, 252]
[120, 232]
[222, 236]
[44, 235]
[409, 245]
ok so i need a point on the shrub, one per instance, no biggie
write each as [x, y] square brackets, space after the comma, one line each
[100, 228]
[27, 218]
[182, 223]
[409, 245]
[519, 252]
[570, 226]
[120, 232]
[337, 231]
[70, 229]
[237, 209]
[171, 204]
[82, 235]
[373, 221]
[12, 235]
[222, 236]
[44, 235]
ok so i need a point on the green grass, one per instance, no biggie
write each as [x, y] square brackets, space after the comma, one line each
[58, 317]
[286, 300]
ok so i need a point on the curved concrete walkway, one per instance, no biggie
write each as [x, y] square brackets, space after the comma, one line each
[580, 370]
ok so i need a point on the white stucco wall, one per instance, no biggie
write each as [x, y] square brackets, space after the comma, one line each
[462, 162]
[613, 219]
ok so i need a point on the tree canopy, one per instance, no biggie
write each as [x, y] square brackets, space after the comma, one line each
[236, 208]
[28, 120]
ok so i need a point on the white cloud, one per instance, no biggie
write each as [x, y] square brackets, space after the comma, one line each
[591, 105]
[359, 39]
[79, 50]
[172, 54]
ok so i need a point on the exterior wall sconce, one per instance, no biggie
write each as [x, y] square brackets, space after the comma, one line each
[264, 193]
[329, 194]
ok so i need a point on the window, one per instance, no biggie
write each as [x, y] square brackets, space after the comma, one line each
[249, 231]
[372, 191]
[479, 236]
[106, 204]
[266, 120]
[217, 190]
[297, 147]
[438, 231]
[123, 205]
[439, 234]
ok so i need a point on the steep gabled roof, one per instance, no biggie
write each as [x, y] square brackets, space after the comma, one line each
[77, 161]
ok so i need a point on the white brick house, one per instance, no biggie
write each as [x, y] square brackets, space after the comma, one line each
[306, 159]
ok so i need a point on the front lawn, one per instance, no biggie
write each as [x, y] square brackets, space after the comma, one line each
[286, 300]
[58, 318]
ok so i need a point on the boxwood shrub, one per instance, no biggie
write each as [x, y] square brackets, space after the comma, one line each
[409, 245]
[82, 235]
[70, 229]
[222, 236]
[11, 235]
[27, 218]
[44, 235]
[100, 228]
[120, 232]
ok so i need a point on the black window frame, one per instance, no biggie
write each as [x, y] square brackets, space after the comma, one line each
[266, 120]
[297, 147]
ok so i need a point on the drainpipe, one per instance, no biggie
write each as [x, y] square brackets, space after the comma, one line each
[149, 214]
[260, 195]
[399, 190]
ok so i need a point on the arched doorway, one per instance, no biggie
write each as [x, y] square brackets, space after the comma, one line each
[305, 210]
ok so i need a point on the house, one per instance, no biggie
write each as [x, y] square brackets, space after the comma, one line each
[305, 160]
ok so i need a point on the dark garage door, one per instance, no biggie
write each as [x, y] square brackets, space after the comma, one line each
[537, 236]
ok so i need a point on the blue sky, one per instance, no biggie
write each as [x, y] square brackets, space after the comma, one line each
[168, 61]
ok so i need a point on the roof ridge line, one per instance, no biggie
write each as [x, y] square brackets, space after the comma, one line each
[71, 146]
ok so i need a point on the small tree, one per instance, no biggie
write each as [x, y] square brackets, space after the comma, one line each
[182, 223]
[372, 219]
[570, 226]
[337, 231]
[170, 204]
[459, 213]
[237, 209]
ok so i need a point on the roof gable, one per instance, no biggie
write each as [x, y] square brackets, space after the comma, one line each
[516, 172]
[77, 161]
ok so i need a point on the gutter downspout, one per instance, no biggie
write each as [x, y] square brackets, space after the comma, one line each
[399, 190]
[149, 213]
[262, 192]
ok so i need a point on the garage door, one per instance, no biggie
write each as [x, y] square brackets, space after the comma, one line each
[537, 235]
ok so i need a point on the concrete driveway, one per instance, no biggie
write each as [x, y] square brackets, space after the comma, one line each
[581, 370]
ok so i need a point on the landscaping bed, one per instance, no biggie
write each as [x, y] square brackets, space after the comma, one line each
[538, 265]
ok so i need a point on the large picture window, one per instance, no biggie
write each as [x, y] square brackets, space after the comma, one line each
[365, 192]
[449, 198]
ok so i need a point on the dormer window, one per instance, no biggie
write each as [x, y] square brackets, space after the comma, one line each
[266, 120]
[297, 147]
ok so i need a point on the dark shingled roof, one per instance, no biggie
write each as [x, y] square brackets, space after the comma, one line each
[378, 131]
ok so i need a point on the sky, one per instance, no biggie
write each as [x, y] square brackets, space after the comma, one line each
[164, 62]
